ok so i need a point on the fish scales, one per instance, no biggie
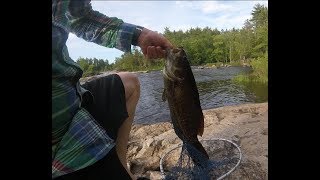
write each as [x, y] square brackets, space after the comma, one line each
[181, 92]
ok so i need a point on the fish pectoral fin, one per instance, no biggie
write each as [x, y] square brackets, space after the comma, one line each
[164, 95]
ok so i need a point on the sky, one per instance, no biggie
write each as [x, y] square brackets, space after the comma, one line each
[156, 15]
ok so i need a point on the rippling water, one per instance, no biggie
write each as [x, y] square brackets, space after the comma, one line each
[215, 89]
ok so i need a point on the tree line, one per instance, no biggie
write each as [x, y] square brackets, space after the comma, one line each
[93, 66]
[204, 46]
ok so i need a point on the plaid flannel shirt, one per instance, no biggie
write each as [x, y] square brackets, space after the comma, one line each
[78, 140]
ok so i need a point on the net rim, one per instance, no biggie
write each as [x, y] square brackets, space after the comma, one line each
[212, 139]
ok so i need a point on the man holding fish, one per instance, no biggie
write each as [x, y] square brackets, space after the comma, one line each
[91, 122]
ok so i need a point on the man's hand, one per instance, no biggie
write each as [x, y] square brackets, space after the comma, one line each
[153, 44]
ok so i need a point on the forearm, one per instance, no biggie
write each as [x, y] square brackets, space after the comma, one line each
[78, 17]
[93, 26]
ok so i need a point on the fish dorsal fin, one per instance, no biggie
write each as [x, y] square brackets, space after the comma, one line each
[193, 84]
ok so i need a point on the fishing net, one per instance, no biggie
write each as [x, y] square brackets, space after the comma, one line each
[224, 157]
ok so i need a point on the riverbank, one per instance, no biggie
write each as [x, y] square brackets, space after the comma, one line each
[206, 66]
[246, 125]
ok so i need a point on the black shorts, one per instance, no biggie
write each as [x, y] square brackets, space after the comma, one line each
[109, 109]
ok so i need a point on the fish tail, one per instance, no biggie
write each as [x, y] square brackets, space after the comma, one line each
[200, 148]
[197, 152]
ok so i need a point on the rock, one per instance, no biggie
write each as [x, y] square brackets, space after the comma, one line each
[101, 74]
[245, 65]
[154, 175]
[236, 139]
[142, 71]
[248, 170]
[144, 164]
[246, 125]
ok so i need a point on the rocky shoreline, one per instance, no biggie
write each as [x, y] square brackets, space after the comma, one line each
[246, 125]
[84, 79]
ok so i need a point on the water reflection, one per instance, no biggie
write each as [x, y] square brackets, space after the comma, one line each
[215, 87]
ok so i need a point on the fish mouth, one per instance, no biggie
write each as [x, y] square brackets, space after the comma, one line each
[170, 68]
[169, 75]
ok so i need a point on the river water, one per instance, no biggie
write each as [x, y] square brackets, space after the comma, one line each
[216, 89]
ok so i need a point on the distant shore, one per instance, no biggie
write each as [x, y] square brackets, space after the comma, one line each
[208, 66]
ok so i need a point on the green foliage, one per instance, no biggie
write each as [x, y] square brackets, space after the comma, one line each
[258, 24]
[135, 61]
[93, 66]
[219, 64]
[259, 16]
[260, 69]
[205, 46]
[259, 73]
[235, 63]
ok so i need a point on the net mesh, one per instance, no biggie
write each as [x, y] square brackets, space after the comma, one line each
[186, 162]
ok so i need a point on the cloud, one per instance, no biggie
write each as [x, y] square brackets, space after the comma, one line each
[227, 21]
[214, 6]
[156, 15]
